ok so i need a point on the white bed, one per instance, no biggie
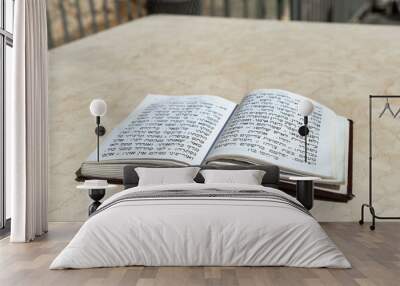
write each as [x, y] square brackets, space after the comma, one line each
[206, 230]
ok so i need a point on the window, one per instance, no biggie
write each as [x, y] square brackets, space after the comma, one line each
[6, 43]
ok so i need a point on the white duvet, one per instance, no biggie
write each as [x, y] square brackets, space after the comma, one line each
[200, 231]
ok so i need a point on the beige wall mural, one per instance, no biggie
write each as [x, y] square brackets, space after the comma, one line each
[335, 64]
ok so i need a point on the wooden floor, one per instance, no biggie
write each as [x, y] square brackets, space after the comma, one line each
[375, 257]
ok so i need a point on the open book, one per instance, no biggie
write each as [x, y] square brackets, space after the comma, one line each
[203, 129]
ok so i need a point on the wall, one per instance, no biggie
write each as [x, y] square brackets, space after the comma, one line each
[335, 64]
[82, 10]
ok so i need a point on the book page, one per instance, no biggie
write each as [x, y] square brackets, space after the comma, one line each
[342, 148]
[175, 128]
[264, 129]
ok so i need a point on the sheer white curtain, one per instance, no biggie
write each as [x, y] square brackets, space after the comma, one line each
[26, 123]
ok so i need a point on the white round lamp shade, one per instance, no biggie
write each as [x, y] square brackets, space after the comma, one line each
[98, 107]
[305, 107]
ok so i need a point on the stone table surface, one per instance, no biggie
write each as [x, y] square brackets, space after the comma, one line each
[338, 65]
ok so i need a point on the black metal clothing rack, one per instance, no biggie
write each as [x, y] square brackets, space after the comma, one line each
[370, 203]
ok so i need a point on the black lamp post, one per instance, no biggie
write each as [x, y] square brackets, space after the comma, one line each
[98, 108]
[305, 185]
[305, 108]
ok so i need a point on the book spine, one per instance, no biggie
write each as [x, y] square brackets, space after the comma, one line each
[219, 134]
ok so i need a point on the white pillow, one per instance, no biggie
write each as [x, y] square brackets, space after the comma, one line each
[248, 177]
[166, 176]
